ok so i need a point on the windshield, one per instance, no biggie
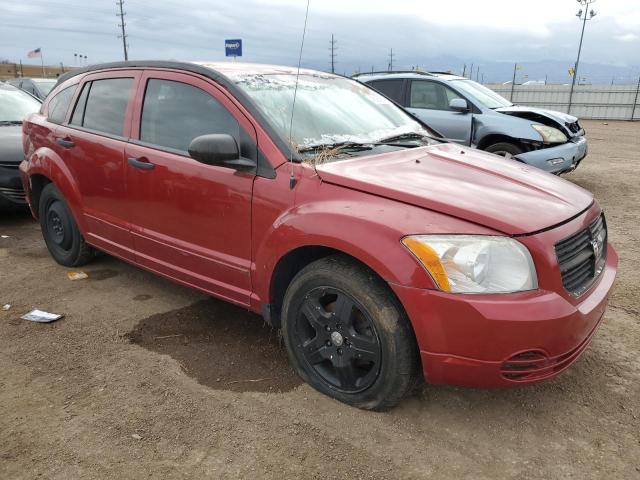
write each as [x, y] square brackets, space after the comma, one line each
[15, 105]
[329, 110]
[481, 94]
[44, 85]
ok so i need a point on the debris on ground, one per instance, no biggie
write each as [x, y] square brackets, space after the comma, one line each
[77, 275]
[4, 236]
[6, 306]
[136, 436]
[41, 316]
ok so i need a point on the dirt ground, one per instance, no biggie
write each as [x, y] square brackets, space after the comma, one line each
[143, 378]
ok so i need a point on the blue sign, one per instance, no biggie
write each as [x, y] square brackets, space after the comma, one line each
[233, 48]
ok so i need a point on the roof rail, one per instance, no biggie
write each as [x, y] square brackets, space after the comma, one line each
[391, 72]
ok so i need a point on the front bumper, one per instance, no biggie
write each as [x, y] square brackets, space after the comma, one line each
[558, 159]
[476, 340]
[11, 191]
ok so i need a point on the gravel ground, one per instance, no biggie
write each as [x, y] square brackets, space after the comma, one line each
[143, 378]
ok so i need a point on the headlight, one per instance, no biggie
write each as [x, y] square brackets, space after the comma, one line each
[550, 134]
[474, 263]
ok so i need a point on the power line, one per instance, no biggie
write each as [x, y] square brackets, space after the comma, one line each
[333, 49]
[122, 13]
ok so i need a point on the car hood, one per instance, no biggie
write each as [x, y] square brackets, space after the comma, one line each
[11, 144]
[527, 112]
[502, 194]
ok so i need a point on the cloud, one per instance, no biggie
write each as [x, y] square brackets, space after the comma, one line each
[627, 37]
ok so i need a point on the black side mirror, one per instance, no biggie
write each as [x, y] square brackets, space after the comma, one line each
[219, 149]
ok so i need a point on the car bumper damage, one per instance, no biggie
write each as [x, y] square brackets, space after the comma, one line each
[557, 159]
[504, 340]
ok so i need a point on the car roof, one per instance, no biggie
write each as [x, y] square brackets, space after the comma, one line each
[368, 77]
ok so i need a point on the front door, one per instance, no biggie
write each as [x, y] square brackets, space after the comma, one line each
[429, 101]
[191, 221]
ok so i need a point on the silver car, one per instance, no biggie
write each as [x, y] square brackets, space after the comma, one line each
[468, 113]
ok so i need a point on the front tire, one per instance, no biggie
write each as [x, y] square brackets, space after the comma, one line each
[60, 231]
[504, 149]
[347, 335]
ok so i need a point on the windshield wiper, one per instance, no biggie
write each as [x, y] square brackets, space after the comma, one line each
[10, 122]
[354, 146]
[403, 136]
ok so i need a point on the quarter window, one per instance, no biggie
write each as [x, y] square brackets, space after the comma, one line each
[174, 113]
[431, 95]
[59, 104]
[103, 104]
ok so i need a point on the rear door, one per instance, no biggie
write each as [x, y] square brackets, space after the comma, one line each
[191, 221]
[429, 101]
[93, 143]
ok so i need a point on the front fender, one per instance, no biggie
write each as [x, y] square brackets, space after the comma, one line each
[494, 123]
[364, 226]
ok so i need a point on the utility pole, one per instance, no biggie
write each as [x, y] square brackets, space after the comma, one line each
[122, 13]
[635, 101]
[391, 61]
[464, 70]
[471, 72]
[587, 16]
[513, 82]
[333, 54]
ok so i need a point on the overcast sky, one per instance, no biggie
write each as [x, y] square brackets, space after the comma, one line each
[424, 33]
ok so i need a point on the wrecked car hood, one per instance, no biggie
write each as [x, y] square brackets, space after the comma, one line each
[11, 144]
[521, 111]
[504, 195]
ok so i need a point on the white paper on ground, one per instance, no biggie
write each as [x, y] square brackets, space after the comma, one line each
[41, 316]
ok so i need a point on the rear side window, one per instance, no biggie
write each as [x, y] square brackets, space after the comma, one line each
[431, 95]
[174, 113]
[102, 105]
[390, 88]
[59, 104]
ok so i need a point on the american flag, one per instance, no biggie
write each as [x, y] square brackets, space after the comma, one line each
[34, 53]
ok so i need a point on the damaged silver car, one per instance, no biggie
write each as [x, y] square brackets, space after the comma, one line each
[468, 113]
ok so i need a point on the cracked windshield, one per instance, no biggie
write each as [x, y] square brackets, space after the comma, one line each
[331, 112]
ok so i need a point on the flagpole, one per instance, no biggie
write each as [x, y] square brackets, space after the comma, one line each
[42, 62]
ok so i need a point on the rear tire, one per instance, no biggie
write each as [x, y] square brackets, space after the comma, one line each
[347, 335]
[60, 230]
[504, 149]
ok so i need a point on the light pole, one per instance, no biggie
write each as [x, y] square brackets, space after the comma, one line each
[588, 15]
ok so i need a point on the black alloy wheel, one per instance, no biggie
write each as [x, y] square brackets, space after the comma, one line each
[338, 340]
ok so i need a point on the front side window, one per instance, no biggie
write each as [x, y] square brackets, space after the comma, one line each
[174, 113]
[390, 88]
[430, 95]
[59, 104]
[328, 109]
[104, 105]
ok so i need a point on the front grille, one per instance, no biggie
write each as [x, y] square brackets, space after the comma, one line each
[15, 194]
[582, 256]
[574, 127]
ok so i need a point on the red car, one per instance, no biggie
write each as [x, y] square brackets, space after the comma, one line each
[379, 250]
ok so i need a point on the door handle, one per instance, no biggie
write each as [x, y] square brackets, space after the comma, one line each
[65, 142]
[142, 164]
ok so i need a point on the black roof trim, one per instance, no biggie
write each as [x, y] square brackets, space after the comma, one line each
[282, 143]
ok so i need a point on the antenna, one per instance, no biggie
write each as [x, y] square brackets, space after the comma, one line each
[292, 179]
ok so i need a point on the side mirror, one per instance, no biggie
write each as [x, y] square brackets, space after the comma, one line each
[459, 105]
[219, 149]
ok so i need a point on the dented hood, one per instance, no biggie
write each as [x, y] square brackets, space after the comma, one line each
[521, 111]
[492, 191]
